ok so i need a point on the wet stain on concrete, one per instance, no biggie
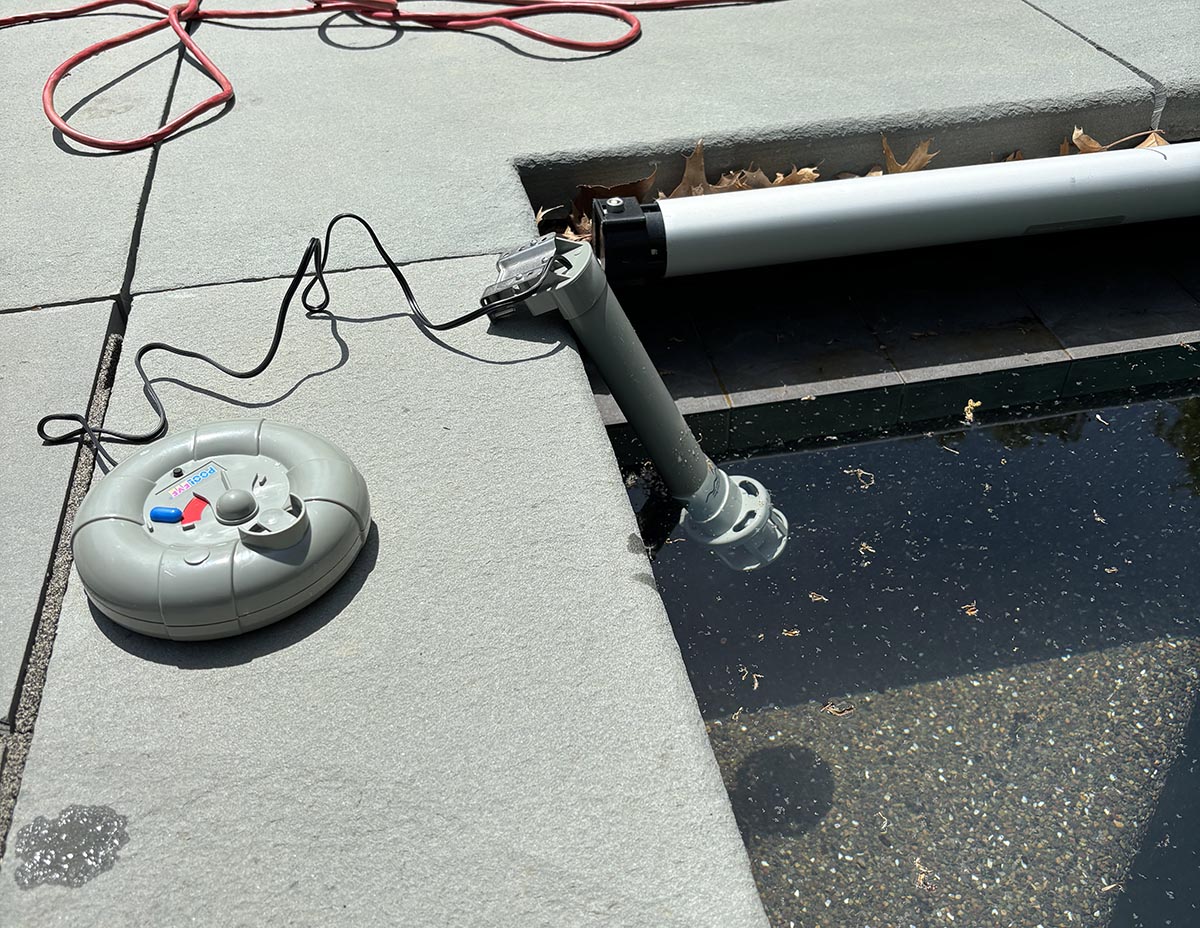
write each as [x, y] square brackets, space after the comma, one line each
[70, 849]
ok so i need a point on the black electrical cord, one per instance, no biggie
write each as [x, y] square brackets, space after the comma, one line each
[315, 254]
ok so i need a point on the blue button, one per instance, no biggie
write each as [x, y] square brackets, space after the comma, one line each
[166, 514]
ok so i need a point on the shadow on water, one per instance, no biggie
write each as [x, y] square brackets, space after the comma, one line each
[228, 652]
[781, 791]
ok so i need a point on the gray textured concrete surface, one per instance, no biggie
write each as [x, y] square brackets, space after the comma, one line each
[488, 721]
[421, 134]
[53, 371]
[68, 211]
[1160, 39]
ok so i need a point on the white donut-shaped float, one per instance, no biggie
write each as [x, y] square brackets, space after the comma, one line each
[220, 530]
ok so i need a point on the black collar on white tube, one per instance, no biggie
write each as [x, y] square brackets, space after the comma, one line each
[629, 239]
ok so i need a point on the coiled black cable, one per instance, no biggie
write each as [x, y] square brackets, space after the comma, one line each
[316, 254]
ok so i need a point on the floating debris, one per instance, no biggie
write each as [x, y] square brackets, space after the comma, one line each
[790, 632]
[969, 410]
[864, 548]
[818, 598]
[865, 477]
[753, 677]
[971, 608]
[926, 878]
[837, 709]
[1110, 570]
[1099, 518]
[1102, 420]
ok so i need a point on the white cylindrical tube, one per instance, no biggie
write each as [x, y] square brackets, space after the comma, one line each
[827, 219]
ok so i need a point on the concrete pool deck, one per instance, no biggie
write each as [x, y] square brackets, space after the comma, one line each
[489, 720]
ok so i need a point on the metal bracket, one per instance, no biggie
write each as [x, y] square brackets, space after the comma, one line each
[522, 272]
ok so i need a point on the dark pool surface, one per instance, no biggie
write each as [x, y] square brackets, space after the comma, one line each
[1001, 625]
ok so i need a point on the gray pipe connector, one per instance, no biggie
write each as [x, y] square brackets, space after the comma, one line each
[220, 530]
[733, 515]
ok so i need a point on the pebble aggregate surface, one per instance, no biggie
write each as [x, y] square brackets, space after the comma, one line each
[956, 698]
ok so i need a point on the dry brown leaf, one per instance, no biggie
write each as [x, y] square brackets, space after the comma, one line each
[582, 204]
[1016, 156]
[1065, 147]
[790, 632]
[1153, 140]
[1084, 142]
[818, 598]
[727, 181]
[542, 213]
[797, 176]
[580, 229]
[694, 181]
[753, 179]
[920, 157]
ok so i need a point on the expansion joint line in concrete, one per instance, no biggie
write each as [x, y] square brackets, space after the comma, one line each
[27, 695]
[1159, 91]
[233, 281]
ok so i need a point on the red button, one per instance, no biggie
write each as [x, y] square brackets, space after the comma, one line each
[193, 510]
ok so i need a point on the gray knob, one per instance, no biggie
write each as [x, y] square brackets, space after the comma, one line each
[235, 506]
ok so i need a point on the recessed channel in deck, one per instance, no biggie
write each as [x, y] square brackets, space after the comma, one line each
[759, 358]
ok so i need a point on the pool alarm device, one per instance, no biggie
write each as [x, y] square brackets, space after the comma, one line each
[234, 525]
[220, 530]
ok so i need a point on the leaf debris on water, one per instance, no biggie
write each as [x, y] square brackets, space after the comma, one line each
[865, 477]
[969, 410]
[926, 878]
[864, 548]
[971, 608]
[1101, 419]
[753, 677]
[1110, 570]
[790, 632]
[1099, 518]
[837, 709]
[818, 598]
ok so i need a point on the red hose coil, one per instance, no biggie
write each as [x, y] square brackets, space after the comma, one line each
[384, 11]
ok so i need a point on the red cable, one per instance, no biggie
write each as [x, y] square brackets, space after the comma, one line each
[383, 11]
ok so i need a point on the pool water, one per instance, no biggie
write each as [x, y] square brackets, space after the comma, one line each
[962, 695]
